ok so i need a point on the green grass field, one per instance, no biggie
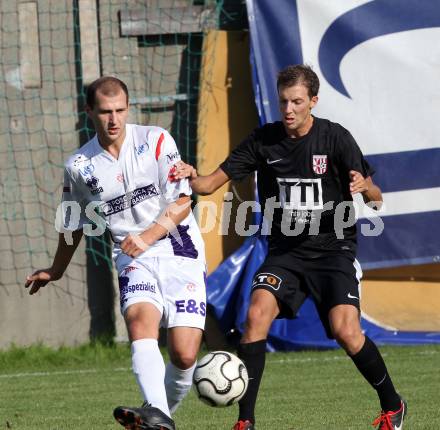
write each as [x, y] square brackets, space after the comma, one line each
[78, 388]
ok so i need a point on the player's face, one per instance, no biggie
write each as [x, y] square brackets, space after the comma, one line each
[295, 108]
[109, 116]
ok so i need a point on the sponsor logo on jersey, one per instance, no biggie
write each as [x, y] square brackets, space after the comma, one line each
[267, 280]
[172, 157]
[141, 149]
[125, 288]
[191, 307]
[300, 194]
[120, 177]
[171, 173]
[92, 183]
[268, 161]
[320, 164]
[191, 287]
[303, 216]
[87, 170]
[129, 269]
[129, 200]
[79, 160]
[141, 286]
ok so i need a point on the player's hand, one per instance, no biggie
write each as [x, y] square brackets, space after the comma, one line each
[40, 279]
[358, 184]
[133, 245]
[182, 170]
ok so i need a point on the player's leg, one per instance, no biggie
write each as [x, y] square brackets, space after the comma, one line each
[336, 291]
[345, 327]
[275, 293]
[263, 309]
[141, 306]
[182, 281]
[183, 346]
[142, 320]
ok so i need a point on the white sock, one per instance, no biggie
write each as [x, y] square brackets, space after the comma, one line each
[177, 384]
[149, 370]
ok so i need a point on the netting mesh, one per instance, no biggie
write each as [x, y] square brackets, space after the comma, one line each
[49, 55]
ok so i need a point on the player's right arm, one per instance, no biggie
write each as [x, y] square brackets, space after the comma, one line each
[72, 227]
[202, 185]
[63, 255]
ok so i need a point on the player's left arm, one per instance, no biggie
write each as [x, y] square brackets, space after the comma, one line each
[359, 170]
[134, 244]
[369, 190]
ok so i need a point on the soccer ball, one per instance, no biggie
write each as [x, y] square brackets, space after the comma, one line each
[220, 379]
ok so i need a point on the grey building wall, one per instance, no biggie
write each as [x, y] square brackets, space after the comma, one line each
[38, 129]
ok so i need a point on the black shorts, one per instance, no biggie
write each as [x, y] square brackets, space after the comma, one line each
[330, 280]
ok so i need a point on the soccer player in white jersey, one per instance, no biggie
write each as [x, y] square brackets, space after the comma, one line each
[122, 173]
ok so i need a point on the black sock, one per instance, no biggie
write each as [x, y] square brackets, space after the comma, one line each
[253, 356]
[372, 367]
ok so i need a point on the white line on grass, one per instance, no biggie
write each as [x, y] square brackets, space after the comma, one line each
[126, 369]
[342, 357]
[62, 372]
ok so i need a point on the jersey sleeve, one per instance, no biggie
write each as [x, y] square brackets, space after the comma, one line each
[244, 159]
[73, 214]
[167, 155]
[350, 155]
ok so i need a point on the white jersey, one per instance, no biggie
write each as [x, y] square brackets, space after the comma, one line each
[132, 191]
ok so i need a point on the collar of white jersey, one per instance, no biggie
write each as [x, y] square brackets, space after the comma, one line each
[128, 138]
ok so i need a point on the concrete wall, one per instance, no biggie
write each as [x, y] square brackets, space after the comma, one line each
[38, 121]
[46, 64]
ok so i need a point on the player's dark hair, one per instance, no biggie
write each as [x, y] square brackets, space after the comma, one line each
[107, 85]
[299, 74]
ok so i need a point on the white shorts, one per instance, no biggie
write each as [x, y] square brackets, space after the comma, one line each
[175, 285]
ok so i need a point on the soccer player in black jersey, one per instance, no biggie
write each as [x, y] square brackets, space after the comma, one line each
[307, 168]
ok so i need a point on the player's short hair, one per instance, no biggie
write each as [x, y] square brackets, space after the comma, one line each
[299, 74]
[107, 85]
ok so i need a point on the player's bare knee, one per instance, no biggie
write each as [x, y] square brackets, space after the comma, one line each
[349, 337]
[183, 360]
[137, 329]
[255, 316]
[257, 324]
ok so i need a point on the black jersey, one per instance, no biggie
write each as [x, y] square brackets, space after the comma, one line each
[302, 184]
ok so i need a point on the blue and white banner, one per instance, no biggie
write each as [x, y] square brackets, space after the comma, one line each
[378, 62]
